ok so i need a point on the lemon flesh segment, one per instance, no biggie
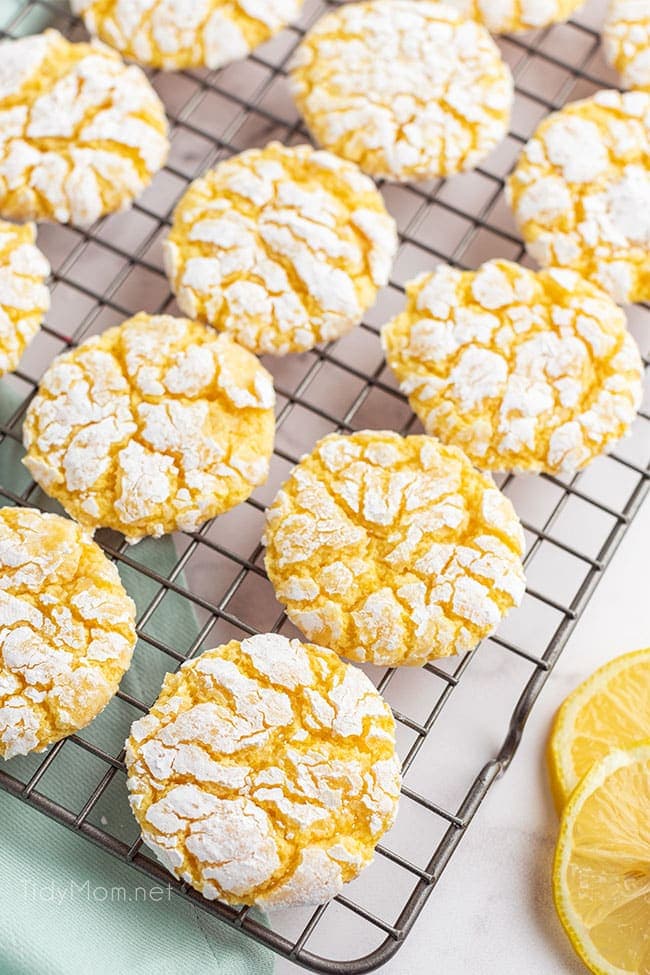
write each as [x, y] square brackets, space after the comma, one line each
[611, 709]
[601, 875]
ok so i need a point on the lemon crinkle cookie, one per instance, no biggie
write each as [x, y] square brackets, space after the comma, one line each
[265, 773]
[67, 630]
[626, 41]
[283, 247]
[156, 425]
[24, 297]
[515, 16]
[393, 550]
[581, 192]
[523, 370]
[176, 34]
[81, 134]
[407, 89]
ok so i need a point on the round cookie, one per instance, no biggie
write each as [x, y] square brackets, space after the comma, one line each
[265, 773]
[393, 550]
[626, 41]
[581, 192]
[24, 297]
[522, 370]
[408, 89]
[517, 16]
[283, 247]
[81, 133]
[175, 34]
[156, 425]
[67, 630]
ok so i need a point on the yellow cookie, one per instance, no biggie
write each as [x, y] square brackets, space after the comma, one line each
[407, 89]
[581, 192]
[393, 550]
[177, 34]
[524, 371]
[24, 298]
[67, 630]
[626, 40]
[81, 134]
[283, 247]
[265, 773]
[515, 16]
[156, 425]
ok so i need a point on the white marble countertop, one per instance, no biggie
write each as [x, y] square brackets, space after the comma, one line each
[492, 911]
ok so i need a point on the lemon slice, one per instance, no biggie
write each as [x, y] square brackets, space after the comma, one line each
[601, 875]
[611, 709]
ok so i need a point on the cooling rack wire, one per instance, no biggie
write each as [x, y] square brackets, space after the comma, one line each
[453, 751]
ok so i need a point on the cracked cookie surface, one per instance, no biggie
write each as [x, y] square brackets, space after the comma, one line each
[283, 247]
[393, 550]
[581, 192]
[155, 425]
[522, 370]
[407, 89]
[515, 16]
[67, 630]
[81, 134]
[175, 34]
[626, 41]
[24, 297]
[265, 773]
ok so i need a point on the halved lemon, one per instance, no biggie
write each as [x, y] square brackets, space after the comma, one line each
[601, 875]
[611, 709]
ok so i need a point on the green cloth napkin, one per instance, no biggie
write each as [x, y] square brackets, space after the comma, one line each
[66, 906]
[59, 915]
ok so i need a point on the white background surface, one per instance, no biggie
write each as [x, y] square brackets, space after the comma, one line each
[492, 911]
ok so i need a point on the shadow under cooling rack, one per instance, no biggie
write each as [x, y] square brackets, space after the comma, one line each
[453, 746]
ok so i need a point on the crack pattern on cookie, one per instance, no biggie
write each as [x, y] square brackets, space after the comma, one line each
[393, 550]
[81, 134]
[407, 89]
[67, 630]
[283, 247]
[581, 192]
[24, 297]
[156, 425]
[523, 371]
[265, 773]
[175, 34]
[516, 16]
[626, 41]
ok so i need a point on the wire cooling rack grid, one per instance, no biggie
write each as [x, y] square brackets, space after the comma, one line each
[453, 748]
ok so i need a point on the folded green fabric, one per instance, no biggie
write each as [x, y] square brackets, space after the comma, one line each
[66, 906]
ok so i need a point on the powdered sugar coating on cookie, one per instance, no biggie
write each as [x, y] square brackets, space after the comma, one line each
[81, 134]
[24, 297]
[283, 247]
[156, 425]
[581, 192]
[393, 550]
[176, 34]
[626, 41]
[522, 370]
[407, 89]
[265, 773]
[515, 16]
[67, 630]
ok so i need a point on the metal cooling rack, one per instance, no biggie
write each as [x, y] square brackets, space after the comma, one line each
[453, 750]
